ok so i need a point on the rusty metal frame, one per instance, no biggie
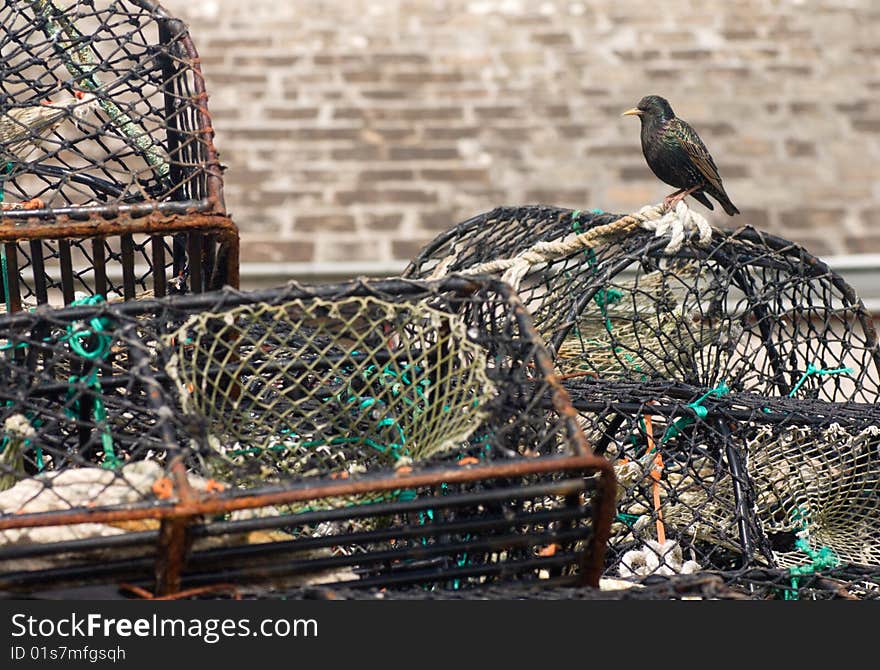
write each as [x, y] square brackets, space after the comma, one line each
[178, 515]
[97, 225]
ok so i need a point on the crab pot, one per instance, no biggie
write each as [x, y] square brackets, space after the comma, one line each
[733, 386]
[109, 180]
[390, 433]
[751, 310]
[734, 480]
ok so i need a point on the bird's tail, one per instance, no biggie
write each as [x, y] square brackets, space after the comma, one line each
[722, 198]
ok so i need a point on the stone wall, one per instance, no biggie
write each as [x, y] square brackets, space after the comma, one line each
[357, 130]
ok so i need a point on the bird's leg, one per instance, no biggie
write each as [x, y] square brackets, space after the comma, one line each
[670, 201]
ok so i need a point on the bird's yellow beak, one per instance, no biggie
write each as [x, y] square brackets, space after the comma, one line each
[632, 112]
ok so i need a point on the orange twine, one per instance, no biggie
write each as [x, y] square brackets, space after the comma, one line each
[656, 473]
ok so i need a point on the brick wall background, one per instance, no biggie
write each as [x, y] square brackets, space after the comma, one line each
[357, 130]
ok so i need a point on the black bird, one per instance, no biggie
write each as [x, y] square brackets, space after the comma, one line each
[677, 155]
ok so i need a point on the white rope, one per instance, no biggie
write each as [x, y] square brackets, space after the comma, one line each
[655, 558]
[678, 224]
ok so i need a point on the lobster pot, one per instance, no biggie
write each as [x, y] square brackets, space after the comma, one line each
[373, 433]
[734, 480]
[732, 383]
[109, 180]
[749, 310]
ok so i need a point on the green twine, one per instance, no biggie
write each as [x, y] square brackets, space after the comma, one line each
[697, 406]
[628, 519]
[76, 338]
[603, 297]
[394, 381]
[96, 326]
[813, 370]
[405, 495]
[820, 559]
[575, 215]
[38, 450]
[607, 297]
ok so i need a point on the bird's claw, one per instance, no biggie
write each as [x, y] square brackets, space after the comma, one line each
[670, 201]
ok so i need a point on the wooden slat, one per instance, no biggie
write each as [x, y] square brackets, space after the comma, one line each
[99, 256]
[38, 266]
[66, 271]
[128, 282]
[157, 242]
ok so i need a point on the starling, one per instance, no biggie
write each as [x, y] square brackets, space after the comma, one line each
[677, 155]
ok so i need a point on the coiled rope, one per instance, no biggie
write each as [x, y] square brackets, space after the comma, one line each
[677, 224]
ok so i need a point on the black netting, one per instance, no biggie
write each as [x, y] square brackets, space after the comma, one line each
[734, 478]
[103, 110]
[680, 587]
[751, 310]
[849, 583]
[107, 165]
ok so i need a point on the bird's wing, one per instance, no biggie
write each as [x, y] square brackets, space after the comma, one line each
[697, 152]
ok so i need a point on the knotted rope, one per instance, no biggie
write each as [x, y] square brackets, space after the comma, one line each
[676, 223]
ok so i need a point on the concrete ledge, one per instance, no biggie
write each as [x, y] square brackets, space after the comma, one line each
[862, 271]
[260, 275]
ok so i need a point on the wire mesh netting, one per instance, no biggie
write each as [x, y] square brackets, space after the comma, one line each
[107, 163]
[389, 432]
[103, 109]
[842, 583]
[732, 380]
[718, 482]
[752, 310]
[752, 585]
[424, 394]
[679, 587]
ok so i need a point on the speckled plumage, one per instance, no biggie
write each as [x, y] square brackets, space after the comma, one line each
[677, 155]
